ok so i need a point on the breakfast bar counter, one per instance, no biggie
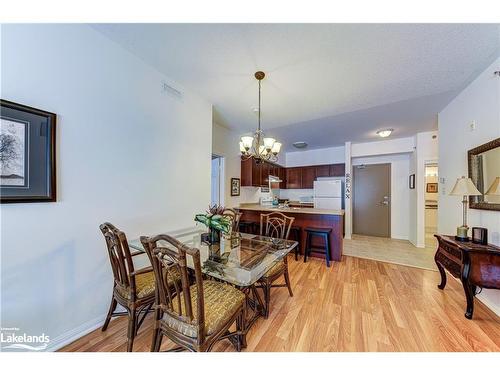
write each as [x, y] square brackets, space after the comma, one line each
[304, 217]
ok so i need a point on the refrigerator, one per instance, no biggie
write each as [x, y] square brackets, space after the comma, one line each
[328, 194]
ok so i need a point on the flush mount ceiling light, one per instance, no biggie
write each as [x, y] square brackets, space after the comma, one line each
[257, 146]
[300, 144]
[385, 132]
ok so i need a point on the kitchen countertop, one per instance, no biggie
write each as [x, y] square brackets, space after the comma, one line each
[296, 210]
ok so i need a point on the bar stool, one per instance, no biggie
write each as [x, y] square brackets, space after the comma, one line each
[319, 232]
[295, 235]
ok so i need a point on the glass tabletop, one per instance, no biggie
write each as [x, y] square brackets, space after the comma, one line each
[241, 259]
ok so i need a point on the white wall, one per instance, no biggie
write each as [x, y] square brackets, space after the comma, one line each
[331, 155]
[479, 102]
[225, 142]
[400, 206]
[126, 152]
[383, 147]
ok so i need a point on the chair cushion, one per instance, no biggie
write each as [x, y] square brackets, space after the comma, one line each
[145, 284]
[277, 268]
[221, 302]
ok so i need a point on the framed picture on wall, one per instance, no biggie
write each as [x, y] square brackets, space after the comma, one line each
[235, 187]
[431, 187]
[27, 154]
[412, 181]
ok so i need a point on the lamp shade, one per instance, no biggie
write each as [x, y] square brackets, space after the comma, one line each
[494, 188]
[464, 186]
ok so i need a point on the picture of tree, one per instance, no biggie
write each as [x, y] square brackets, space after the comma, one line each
[12, 152]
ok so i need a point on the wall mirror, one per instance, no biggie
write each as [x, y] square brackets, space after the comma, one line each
[484, 170]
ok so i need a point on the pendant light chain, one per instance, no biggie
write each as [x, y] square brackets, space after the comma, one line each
[253, 147]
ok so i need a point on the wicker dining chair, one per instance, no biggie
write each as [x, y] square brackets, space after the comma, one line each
[276, 225]
[132, 289]
[193, 316]
[235, 218]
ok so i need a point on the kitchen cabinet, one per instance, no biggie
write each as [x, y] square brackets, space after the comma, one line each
[337, 170]
[294, 178]
[265, 169]
[322, 170]
[308, 177]
[257, 174]
[282, 176]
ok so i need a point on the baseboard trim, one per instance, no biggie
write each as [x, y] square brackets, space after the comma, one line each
[74, 334]
[490, 305]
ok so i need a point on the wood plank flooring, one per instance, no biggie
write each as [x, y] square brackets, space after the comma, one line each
[356, 305]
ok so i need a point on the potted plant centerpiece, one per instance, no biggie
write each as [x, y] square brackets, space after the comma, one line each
[216, 223]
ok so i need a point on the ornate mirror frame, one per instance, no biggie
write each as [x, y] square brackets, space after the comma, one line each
[477, 202]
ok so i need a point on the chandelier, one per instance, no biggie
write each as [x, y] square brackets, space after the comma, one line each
[259, 147]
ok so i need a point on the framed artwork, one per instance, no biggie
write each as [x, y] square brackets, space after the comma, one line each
[431, 187]
[412, 181]
[27, 154]
[235, 187]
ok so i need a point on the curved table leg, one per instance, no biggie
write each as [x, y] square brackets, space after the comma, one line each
[469, 295]
[443, 275]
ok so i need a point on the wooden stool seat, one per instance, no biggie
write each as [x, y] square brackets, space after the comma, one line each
[319, 232]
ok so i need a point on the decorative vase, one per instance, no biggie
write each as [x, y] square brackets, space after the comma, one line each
[214, 236]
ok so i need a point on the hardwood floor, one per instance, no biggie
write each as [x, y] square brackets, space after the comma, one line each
[356, 305]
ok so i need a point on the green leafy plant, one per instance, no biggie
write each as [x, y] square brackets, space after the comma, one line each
[214, 219]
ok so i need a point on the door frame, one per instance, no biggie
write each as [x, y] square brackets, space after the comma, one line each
[354, 195]
[221, 175]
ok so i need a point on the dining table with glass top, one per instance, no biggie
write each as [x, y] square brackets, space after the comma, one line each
[240, 259]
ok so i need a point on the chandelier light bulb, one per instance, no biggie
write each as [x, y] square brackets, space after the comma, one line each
[268, 143]
[276, 148]
[247, 142]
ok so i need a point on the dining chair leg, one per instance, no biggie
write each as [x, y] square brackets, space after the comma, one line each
[287, 279]
[239, 328]
[243, 336]
[267, 298]
[157, 339]
[112, 308]
[132, 322]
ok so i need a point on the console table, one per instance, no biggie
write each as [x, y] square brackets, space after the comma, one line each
[475, 265]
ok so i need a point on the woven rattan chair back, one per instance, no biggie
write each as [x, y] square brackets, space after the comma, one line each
[169, 258]
[235, 218]
[119, 256]
[276, 225]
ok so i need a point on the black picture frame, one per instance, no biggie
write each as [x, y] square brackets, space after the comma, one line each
[411, 181]
[27, 154]
[235, 187]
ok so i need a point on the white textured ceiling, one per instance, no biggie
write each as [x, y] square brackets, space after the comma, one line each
[325, 83]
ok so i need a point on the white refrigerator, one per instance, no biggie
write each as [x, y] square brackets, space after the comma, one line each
[328, 194]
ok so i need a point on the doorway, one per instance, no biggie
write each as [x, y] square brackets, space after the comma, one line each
[431, 203]
[217, 181]
[372, 200]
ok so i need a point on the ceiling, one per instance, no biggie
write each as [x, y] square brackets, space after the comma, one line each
[325, 83]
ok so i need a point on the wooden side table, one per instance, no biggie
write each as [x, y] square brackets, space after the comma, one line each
[475, 265]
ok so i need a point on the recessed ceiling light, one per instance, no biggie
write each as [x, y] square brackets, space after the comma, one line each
[300, 144]
[385, 132]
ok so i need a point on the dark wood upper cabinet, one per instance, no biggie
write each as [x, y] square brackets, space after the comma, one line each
[323, 170]
[308, 177]
[282, 176]
[265, 171]
[337, 170]
[294, 178]
[257, 174]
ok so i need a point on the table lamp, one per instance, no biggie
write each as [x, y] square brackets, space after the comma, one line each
[465, 187]
[494, 188]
